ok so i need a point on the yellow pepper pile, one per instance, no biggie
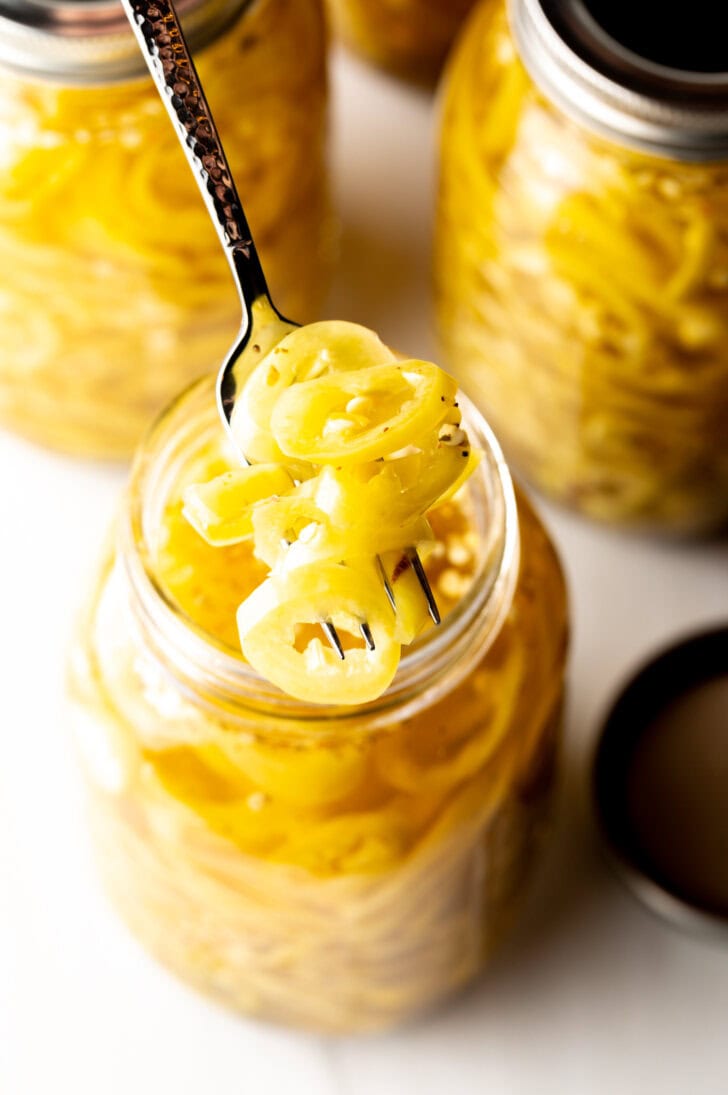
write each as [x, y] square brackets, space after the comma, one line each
[349, 447]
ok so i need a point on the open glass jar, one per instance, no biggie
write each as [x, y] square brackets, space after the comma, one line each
[117, 293]
[582, 254]
[334, 868]
[409, 37]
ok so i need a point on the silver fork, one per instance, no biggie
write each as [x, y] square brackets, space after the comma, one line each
[165, 51]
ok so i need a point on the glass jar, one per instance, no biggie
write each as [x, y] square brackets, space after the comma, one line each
[333, 868]
[582, 258]
[120, 293]
[409, 37]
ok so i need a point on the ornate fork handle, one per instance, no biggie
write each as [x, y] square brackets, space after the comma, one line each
[165, 50]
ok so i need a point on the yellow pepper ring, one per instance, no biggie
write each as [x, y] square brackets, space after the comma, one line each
[222, 510]
[436, 472]
[394, 492]
[307, 777]
[307, 353]
[278, 523]
[362, 415]
[275, 621]
[292, 530]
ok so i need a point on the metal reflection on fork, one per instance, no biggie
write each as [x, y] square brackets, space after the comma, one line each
[165, 51]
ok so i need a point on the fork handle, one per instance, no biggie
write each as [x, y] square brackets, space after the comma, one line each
[168, 58]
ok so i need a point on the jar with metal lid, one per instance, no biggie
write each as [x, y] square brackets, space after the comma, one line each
[330, 867]
[582, 252]
[410, 38]
[116, 292]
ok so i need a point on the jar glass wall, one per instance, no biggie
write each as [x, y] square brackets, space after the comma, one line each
[582, 295]
[334, 868]
[120, 293]
[409, 37]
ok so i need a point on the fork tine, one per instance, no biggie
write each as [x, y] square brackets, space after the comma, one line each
[367, 635]
[333, 636]
[426, 588]
[385, 582]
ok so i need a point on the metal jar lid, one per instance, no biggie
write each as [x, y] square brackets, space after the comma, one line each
[660, 783]
[79, 42]
[599, 82]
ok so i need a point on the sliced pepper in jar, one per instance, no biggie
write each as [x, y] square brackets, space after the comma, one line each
[307, 353]
[353, 417]
[356, 446]
[293, 530]
[222, 510]
[281, 635]
[396, 490]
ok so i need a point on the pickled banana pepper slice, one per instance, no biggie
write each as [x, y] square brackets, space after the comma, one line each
[308, 353]
[280, 635]
[221, 510]
[359, 416]
[294, 529]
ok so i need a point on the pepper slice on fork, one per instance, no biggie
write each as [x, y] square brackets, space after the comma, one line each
[338, 512]
[279, 626]
[354, 417]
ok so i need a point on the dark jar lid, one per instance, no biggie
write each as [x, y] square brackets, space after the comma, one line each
[660, 782]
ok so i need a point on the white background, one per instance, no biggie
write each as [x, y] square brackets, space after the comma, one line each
[593, 995]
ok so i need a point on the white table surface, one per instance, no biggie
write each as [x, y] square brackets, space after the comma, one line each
[593, 996]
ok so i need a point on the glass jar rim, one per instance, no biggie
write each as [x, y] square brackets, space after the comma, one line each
[90, 42]
[601, 84]
[208, 668]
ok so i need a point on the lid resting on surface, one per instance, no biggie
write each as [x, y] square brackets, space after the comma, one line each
[661, 783]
